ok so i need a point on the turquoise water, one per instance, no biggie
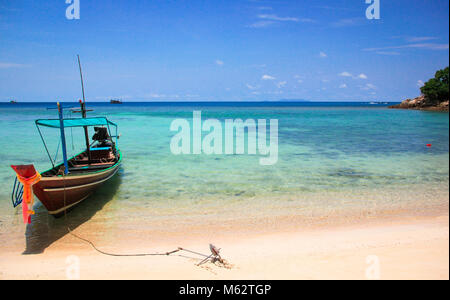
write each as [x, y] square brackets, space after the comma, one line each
[332, 158]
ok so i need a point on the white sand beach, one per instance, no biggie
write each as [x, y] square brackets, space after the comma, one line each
[403, 248]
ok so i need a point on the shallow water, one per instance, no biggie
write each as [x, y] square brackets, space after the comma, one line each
[333, 159]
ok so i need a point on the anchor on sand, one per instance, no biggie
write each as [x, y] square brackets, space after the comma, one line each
[215, 255]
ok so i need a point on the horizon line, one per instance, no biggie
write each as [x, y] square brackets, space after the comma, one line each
[214, 101]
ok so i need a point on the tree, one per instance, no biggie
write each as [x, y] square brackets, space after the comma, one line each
[436, 89]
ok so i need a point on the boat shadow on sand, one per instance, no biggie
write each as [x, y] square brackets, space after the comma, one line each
[44, 229]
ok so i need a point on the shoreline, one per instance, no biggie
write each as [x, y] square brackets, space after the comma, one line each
[426, 108]
[407, 247]
[421, 103]
[205, 221]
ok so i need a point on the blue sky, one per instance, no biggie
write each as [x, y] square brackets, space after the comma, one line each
[162, 50]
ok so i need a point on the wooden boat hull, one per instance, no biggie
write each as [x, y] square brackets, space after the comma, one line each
[60, 193]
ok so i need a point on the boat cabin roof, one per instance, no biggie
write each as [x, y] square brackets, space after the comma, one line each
[75, 122]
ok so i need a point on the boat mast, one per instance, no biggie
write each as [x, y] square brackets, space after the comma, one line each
[63, 139]
[83, 112]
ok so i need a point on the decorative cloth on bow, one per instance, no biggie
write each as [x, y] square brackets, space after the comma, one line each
[28, 176]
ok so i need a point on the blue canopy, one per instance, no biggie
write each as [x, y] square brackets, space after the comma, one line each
[78, 122]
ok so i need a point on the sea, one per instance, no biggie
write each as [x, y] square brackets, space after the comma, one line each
[335, 161]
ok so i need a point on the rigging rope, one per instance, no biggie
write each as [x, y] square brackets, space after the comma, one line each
[57, 149]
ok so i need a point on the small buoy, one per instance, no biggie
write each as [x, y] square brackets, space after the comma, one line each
[428, 145]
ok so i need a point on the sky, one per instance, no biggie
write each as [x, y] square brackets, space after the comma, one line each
[211, 50]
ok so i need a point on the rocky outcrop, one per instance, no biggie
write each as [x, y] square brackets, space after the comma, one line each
[421, 103]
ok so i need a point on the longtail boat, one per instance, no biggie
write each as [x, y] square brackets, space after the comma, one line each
[68, 183]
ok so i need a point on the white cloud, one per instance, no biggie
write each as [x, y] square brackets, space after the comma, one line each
[323, 54]
[368, 86]
[258, 66]
[278, 92]
[345, 74]
[153, 95]
[421, 38]
[267, 77]
[7, 65]
[270, 19]
[191, 96]
[426, 46]
[298, 78]
[388, 53]
[219, 62]
[277, 18]
[261, 24]
[420, 83]
[281, 84]
[347, 22]
[307, 20]
[251, 87]
[343, 86]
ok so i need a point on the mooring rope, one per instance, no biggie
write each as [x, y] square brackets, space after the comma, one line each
[115, 254]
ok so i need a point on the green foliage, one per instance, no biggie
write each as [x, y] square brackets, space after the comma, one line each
[437, 89]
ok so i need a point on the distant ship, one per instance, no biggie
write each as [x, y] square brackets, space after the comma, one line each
[115, 101]
[13, 101]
